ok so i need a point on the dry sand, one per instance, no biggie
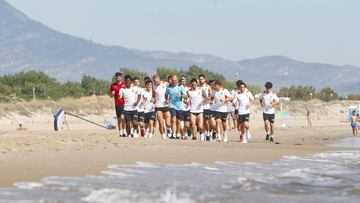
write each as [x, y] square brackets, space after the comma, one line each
[38, 151]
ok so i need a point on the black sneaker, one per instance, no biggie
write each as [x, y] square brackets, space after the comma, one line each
[267, 137]
[271, 139]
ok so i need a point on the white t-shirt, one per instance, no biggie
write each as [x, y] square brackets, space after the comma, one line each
[267, 98]
[243, 101]
[234, 92]
[186, 107]
[205, 91]
[196, 98]
[130, 98]
[218, 102]
[160, 95]
[139, 92]
[148, 105]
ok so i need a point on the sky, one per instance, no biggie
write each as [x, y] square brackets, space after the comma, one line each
[324, 31]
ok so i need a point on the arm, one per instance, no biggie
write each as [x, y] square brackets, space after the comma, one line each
[111, 91]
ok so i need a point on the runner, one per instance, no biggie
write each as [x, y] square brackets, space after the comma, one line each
[161, 107]
[354, 126]
[236, 107]
[196, 109]
[206, 92]
[140, 115]
[130, 97]
[174, 95]
[243, 99]
[268, 100]
[119, 102]
[221, 98]
[185, 123]
[231, 115]
[149, 109]
[213, 128]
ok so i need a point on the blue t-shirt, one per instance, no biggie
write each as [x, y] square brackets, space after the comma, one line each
[175, 93]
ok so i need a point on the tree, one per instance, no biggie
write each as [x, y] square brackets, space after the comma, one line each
[327, 94]
[304, 93]
[91, 85]
[353, 97]
[134, 73]
[73, 89]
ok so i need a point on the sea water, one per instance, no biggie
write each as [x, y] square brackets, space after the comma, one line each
[324, 177]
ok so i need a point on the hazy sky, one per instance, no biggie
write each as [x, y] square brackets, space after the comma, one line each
[310, 30]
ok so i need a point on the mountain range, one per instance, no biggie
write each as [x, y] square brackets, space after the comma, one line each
[26, 44]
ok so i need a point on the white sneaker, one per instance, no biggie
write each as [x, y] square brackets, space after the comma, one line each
[219, 138]
[136, 135]
[202, 137]
[150, 135]
[163, 136]
[245, 140]
[225, 138]
[248, 135]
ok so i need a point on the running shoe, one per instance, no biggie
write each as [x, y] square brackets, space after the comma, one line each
[271, 139]
[267, 137]
[241, 138]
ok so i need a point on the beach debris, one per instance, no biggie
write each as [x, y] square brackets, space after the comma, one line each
[60, 120]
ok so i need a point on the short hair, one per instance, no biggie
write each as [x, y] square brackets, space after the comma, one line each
[155, 77]
[268, 85]
[127, 77]
[146, 78]
[117, 74]
[211, 81]
[183, 76]
[193, 80]
[201, 76]
[148, 82]
[136, 78]
[240, 82]
[218, 82]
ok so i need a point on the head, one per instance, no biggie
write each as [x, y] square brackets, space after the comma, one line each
[194, 83]
[183, 80]
[212, 83]
[146, 79]
[174, 80]
[148, 85]
[156, 80]
[354, 113]
[136, 81]
[169, 79]
[118, 77]
[241, 86]
[238, 83]
[217, 85]
[202, 79]
[268, 87]
[128, 81]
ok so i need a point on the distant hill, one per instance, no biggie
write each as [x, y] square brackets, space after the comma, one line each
[26, 44]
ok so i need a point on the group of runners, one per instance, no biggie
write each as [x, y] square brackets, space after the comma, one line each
[182, 109]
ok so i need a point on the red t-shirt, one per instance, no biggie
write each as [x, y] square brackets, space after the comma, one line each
[116, 87]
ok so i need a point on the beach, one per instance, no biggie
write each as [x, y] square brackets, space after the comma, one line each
[38, 151]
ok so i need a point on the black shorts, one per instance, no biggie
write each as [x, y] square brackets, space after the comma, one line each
[269, 117]
[221, 115]
[139, 116]
[162, 109]
[244, 118]
[236, 112]
[212, 114]
[149, 116]
[195, 114]
[186, 116]
[119, 111]
[130, 115]
[207, 114]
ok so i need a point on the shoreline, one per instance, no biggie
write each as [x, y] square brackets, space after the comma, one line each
[33, 155]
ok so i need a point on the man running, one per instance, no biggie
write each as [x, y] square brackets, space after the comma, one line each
[130, 97]
[243, 99]
[221, 98]
[149, 109]
[206, 92]
[119, 102]
[195, 95]
[268, 100]
[212, 122]
[174, 95]
[140, 115]
[185, 123]
[161, 107]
